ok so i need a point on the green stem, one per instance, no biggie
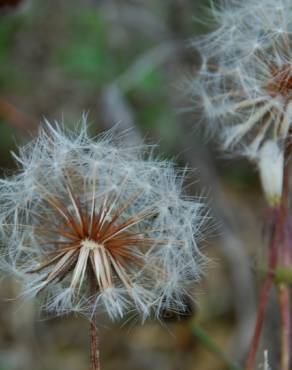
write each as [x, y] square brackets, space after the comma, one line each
[213, 347]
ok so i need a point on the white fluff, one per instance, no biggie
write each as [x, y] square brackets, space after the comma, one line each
[64, 165]
[245, 81]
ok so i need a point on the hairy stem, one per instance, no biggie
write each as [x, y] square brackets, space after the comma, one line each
[284, 304]
[94, 348]
[94, 342]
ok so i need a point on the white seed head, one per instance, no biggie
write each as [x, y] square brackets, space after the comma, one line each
[91, 225]
[245, 81]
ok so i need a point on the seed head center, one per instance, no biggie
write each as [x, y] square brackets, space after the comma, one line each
[91, 244]
[281, 82]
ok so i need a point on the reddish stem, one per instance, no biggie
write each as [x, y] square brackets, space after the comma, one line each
[94, 350]
[264, 295]
[94, 343]
[283, 288]
[280, 214]
[13, 115]
[284, 303]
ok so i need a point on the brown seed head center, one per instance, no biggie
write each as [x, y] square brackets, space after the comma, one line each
[281, 82]
[91, 244]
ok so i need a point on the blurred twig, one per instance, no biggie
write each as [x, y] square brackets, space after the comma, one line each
[116, 109]
[145, 63]
[114, 104]
[13, 115]
[135, 16]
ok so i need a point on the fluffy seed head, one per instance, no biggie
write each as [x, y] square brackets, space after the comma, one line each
[245, 82]
[88, 224]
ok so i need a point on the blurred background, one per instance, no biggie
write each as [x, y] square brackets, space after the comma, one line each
[130, 62]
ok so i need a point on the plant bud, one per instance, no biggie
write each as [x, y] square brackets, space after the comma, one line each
[271, 165]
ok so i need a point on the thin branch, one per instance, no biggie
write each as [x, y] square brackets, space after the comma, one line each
[13, 115]
[94, 347]
[94, 342]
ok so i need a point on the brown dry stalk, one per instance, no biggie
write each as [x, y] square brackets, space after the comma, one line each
[94, 345]
[15, 116]
[94, 342]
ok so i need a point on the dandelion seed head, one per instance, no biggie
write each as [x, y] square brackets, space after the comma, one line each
[245, 81]
[91, 225]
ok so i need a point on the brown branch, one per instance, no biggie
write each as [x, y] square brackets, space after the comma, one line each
[94, 348]
[15, 116]
[94, 343]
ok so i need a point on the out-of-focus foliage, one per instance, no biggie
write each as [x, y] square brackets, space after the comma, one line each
[77, 57]
[9, 74]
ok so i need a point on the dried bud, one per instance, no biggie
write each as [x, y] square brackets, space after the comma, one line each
[271, 165]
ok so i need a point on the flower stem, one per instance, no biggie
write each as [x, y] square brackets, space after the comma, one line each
[200, 333]
[283, 288]
[94, 342]
[94, 348]
[267, 286]
[264, 297]
[279, 214]
[284, 303]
